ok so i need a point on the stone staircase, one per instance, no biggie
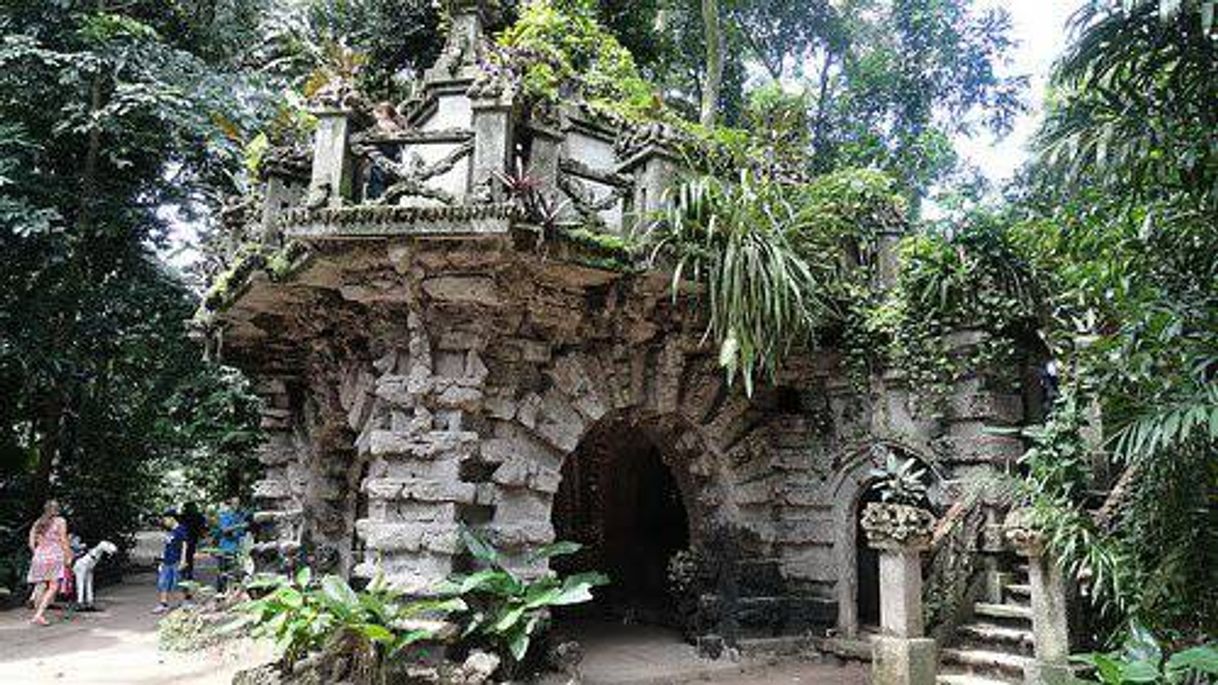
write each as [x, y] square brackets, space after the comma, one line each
[993, 646]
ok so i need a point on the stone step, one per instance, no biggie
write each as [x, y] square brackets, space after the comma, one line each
[1008, 611]
[993, 633]
[969, 679]
[985, 660]
[1019, 589]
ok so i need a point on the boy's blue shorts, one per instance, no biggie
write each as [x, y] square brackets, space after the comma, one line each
[167, 578]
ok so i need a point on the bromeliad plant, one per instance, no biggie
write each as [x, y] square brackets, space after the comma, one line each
[506, 610]
[900, 481]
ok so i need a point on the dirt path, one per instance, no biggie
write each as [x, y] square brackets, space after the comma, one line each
[118, 646]
[113, 646]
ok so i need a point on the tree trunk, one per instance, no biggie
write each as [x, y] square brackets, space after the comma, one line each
[819, 145]
[50, 424]
[714, 62]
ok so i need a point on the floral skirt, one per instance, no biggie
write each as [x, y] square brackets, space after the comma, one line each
[46, 566]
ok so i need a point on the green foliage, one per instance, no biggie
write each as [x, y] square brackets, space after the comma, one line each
[558, 50]
[736, 240]
[506, 610]
[962, 297]
[108, 127]
[1141, 660]
[301, 616]
[1133, 105]
[1122, 233]
[374, 42]
[495, 607]
[214, 418]
[1059, 466]
[900, 481]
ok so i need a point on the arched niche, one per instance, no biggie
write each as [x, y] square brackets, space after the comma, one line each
[849, 492]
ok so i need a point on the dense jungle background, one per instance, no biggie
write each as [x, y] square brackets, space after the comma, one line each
[125, 124]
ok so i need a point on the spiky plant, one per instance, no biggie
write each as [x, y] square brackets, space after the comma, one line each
[734, 239]
[900, 481]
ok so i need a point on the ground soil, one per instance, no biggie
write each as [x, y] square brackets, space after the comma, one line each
[112, 646]
[118, 645]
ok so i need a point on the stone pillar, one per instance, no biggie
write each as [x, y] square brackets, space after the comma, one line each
[333, 169]
[544, 152]
[901, 590]
[1050, 617]
[901, 655]
[888, 259]
[493, 140]
[649, 155]
[277, 495]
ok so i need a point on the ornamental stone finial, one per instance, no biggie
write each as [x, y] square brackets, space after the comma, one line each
[458, 60]
[1021, 533]
[890, 525]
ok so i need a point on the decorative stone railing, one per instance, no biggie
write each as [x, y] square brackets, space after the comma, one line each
[1049, 595]
[952, 563]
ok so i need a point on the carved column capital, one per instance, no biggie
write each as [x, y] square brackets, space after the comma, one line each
[897, 527]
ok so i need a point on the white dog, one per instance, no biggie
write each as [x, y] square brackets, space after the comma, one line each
[83, 568]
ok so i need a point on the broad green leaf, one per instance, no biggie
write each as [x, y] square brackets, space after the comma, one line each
[1202, 659]
[1140, 671]
[479, 548]
[555, 549]
[376, 633]
[339, 592]
[508, 619]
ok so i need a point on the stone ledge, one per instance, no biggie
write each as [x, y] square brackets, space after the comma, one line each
[380, 221]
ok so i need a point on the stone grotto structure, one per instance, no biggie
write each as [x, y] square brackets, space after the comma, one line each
[430, 360]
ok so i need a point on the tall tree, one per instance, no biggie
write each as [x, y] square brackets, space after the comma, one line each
[713, 80]
[1125, 226]
[108, 111]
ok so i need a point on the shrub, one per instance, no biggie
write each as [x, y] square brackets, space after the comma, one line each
[505, 610]
[302, 617]
[1142, 660]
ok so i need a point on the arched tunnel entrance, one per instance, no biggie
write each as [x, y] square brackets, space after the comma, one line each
[622, 503]
[867, 566]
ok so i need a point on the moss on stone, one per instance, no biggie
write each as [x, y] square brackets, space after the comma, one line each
[278, 264]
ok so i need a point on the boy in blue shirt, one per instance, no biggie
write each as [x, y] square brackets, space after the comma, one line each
[231, 528]
[171, 559]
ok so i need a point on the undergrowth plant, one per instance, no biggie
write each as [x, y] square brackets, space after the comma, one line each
[1142, 659]
[495, 608]
[301, 616]
[504, 609]
[1058, 475]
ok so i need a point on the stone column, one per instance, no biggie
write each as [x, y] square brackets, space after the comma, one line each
[493, 141]
[1050, 617]
[888, 260]
[333, 169]
[901, 655]
[648, 154]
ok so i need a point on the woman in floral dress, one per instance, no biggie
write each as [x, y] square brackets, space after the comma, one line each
[49, 543]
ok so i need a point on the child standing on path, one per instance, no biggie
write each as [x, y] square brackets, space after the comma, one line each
[171, 558]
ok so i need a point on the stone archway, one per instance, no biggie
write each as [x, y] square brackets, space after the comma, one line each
[849, 490]
[623, 496]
